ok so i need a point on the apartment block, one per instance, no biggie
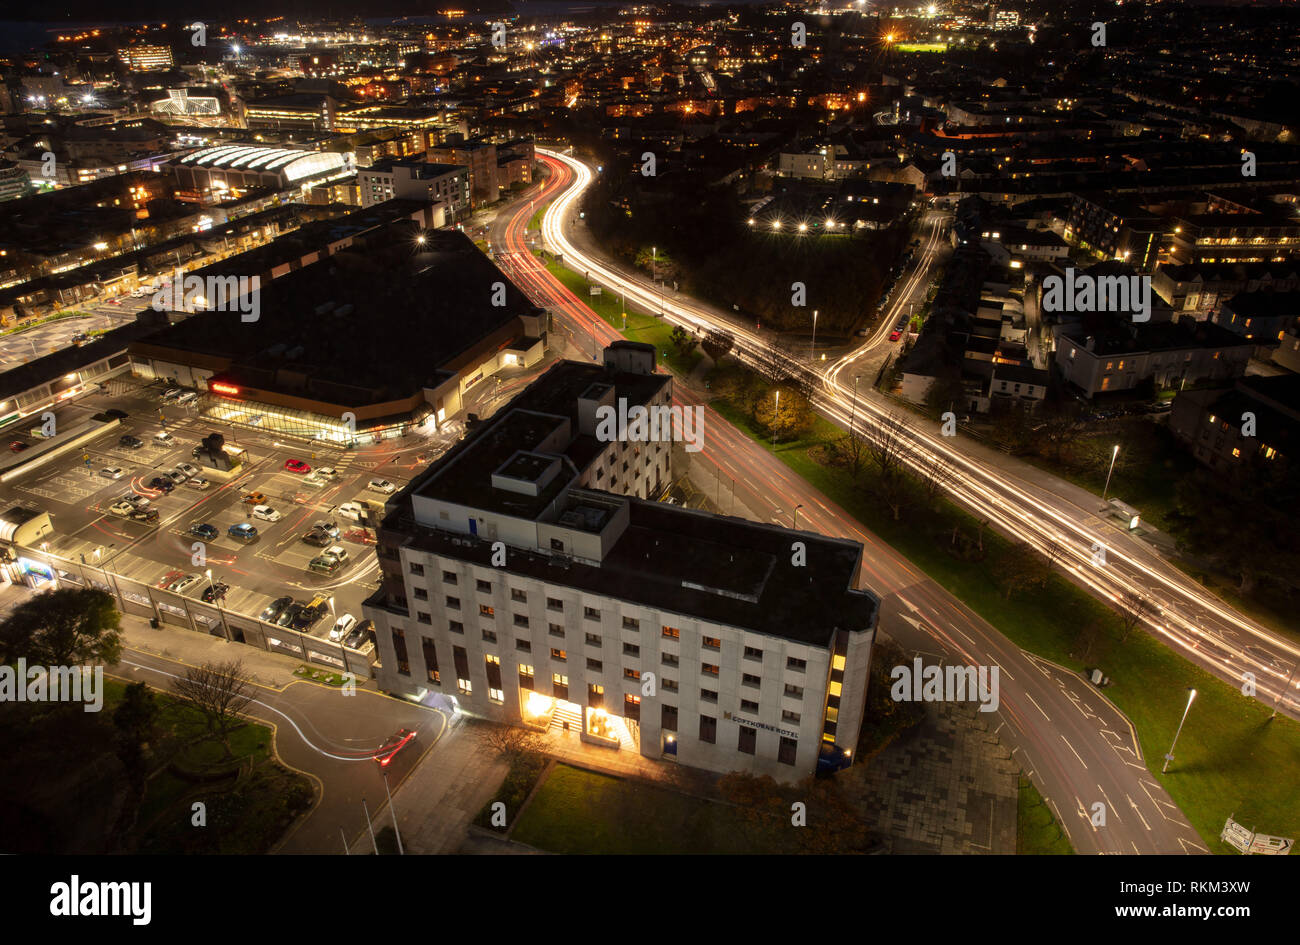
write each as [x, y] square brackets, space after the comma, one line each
[446, 184]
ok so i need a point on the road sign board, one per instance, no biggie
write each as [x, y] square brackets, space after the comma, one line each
[1262, 843]
[1235, 835]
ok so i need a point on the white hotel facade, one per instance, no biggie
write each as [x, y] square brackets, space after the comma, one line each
[530, 576]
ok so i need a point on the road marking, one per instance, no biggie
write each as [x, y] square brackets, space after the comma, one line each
[1038, 707]
[1076, 754]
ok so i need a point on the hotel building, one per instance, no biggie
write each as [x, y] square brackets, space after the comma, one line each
[530, 577]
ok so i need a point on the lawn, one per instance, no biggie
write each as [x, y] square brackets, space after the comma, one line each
[641, 326]
[1037, 832]
[577, 811]
[1229, 755]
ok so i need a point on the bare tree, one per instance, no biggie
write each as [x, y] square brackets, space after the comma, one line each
[936, 474]
[513, 741]
[1135, 607]
[1053, 553]
[888, 447]
[219, 692]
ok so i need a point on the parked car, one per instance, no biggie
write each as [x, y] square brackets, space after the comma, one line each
[342, 627]
[180, 585]
[291, 615]
[112, 472]
[176, 476]
[242, 531]
[351, 510]
[148, 516]
[318, 538]
[130, 442]
[18, 446]
[186, 398]
[215, 592]
[325, 563]
[121, 508]
[312, 479]
[136, 501]
[381, 485]
[198, 482]
[327, 472]
[274, 609]
[117, 414]
[204, 530]
[361, 635]
[254, 498]
[161, 484]
[80, 338]
[171, 394]
[329, 528]
[266, 513]
[306, 616]
[188, 469]
[163, 439]
[296, 466]
[170, 578]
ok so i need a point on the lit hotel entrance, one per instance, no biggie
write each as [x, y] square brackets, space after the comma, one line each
[593, 725]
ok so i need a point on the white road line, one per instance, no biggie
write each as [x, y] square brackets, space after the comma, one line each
[1038, 707]
[1076, 754]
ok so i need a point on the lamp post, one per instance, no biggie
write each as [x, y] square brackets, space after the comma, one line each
[1170, 756]
[812, 350]
[216, 599]
[392, 810]
[1113, 454]
[776, 411]
[853, 414]
[795, 526]
[1286, 687]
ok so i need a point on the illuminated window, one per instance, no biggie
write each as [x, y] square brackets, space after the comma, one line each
[559, 654]
[1236, 453]
[672, 632]
[712, 643]
[837, 662]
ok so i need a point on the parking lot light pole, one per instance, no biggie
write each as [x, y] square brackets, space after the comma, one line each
[393, 810]
[216, 599]
[1170, 757]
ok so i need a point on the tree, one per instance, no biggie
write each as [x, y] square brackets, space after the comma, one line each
[718, 344]
[513, 741]
[1058, 427]
[791, 418]
[135, 719]
[936, 474]
[888, 445]
[682, 340]
[65, 627]
[1017, 568]
[219, 693]
[1134, 609]
[1090, 642]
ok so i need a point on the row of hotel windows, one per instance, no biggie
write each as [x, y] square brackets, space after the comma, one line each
[560, 681]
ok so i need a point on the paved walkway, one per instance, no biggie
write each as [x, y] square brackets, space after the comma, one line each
[947, 787]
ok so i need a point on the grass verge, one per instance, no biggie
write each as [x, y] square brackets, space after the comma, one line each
[1037, 832]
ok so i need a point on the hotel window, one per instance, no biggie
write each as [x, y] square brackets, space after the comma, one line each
[785, 754]
[788, 716]
[631, 623]
[523, 646]
[672, 632]
[797, 665]
[669, 659]
[708, 695]
[525, 677]
[711, 643]
[632, 707]
[794, 692]
[423, 617]
[595, 695]
[595, 665]
[465, 687]
[753, 653]
[521, 620]
[490, 636]
[417, 569]
[749, 679]
[455, 626]
[593, 639]
[633, 674]
[448, 577]
[748, 706]
[559, 655]
[668, 717]
[556, 630]
[453, 603]
[708, 729]
[554, 603]
[517, 594]
[431, 660]
[670, 685]
[484, 587]
[560, 685]
[631, 649]
[496, 696]
[421, 593]
[709, 669]
[591, 613]
[748, 739]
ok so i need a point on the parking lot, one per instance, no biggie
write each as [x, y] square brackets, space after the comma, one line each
[78, 494]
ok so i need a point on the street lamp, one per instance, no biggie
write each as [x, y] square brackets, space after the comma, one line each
[776, 412]
[1170, 756]
[812, 351]
[1113, 454]
[853, 414]
[795, 526]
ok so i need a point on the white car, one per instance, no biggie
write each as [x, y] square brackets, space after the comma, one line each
[381, 485]
[342, 627]
[187, 469]
[176, 476]
[313, 479]
[327, 472]
[164, 438]
[198, 482]
[112, 472]
[121, 508]
[351, 510]
[337, 552]
[186, 398]
[266, 513]
[135, 501]
[171, 393]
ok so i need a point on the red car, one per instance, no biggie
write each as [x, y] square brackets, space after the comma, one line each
[895, 335]
[18, 446]
[391, 747]
[296, 466]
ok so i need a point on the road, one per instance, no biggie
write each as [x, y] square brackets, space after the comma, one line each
[1024, 503]
[1076, 747]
